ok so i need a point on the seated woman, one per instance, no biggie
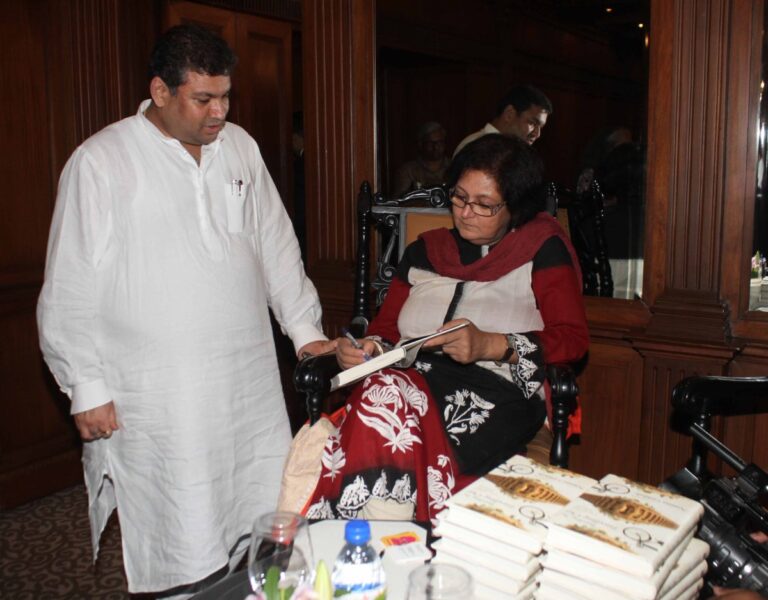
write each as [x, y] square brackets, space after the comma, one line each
[411, 438]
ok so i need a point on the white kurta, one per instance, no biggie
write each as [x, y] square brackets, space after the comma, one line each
[158, 278]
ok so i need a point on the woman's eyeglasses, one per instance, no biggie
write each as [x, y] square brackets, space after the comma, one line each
[459, 200]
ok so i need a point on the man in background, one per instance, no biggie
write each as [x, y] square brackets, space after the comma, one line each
[168, 244]
[428, 168]
[522, 112]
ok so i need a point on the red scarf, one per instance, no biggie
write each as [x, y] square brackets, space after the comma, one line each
[515, 249]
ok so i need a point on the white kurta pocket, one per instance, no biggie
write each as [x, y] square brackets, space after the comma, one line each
[238, 207]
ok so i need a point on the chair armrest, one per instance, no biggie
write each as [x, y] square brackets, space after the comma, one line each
[562, 381]
[312, 376]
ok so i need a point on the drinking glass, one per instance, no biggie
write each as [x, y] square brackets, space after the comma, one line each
[439, 582]
[280, 560]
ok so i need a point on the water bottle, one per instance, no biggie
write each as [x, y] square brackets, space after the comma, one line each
[357, 572]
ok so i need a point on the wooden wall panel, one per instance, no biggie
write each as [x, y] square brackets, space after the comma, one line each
[340, 133]
[83, 61]
[611, 404]
[39, 445]
[685, 197]
[461, 68]
[700, 183]
[747, 435]
[664, 450]
[25, 168]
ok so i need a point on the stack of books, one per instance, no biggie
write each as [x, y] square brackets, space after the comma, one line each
[496, 526]
[623, 539]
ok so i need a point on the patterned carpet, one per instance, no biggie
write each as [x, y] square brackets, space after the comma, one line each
[45, 552]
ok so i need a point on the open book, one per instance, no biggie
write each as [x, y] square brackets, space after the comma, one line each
[402, 356]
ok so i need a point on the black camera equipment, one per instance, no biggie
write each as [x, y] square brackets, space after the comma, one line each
[733, 506]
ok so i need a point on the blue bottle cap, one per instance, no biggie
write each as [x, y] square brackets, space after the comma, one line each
[357, 532]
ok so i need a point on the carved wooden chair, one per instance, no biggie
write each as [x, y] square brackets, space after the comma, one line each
[586, 225]
[391, 218]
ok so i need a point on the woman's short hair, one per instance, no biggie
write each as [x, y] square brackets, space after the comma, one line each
[185, 48]
[513, 165]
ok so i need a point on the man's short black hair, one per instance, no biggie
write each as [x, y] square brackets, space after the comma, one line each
[522, 97]
[185, 48]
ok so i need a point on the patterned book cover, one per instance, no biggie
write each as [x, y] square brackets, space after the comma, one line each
[619, 582]
[623, 524]
[513, 502]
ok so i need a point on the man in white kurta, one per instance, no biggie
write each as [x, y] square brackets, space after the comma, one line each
[169, 241]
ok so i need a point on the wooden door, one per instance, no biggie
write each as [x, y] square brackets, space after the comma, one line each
[264, 99]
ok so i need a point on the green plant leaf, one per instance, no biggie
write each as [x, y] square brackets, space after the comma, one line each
[272, 584]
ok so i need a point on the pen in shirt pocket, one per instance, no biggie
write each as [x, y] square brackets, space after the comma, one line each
[355, 343]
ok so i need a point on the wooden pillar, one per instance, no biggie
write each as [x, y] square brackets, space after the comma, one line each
[339, 43]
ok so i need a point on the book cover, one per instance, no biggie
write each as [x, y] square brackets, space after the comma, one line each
[472, 539]
[623, 524]
[473, 556]
[640, 588]
[402, 355]
[513, 502]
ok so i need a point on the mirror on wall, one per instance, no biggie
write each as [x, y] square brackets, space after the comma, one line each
[449, 62]
[758, 283]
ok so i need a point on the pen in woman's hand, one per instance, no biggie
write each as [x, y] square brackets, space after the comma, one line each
[345, 332]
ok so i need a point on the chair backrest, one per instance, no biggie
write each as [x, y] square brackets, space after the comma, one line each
[399, 221]
[586, 226]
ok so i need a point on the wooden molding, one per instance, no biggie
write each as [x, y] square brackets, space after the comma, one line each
[690, 315]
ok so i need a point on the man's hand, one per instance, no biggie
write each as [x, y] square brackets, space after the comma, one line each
[97, 423]
[317, 347]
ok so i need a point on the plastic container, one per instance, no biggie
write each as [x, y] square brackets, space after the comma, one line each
[357, 572]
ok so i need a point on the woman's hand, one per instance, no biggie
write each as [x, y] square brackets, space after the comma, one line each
[470, 344]
[349, 356]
